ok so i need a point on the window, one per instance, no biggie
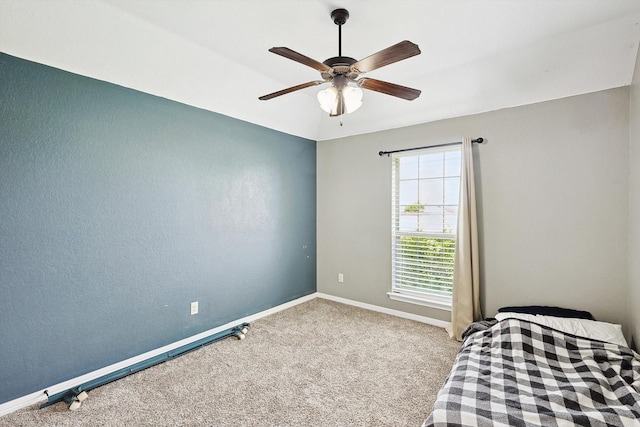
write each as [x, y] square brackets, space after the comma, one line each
[426, 189]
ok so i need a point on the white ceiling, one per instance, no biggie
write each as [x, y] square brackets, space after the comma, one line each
[477, 55]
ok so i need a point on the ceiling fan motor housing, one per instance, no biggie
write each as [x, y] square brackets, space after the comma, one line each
[340, 65]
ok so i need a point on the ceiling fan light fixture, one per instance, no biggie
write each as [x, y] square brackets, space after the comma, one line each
[329, 99]
[352, 95]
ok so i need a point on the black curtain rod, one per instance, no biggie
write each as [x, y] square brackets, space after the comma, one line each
[382, 153]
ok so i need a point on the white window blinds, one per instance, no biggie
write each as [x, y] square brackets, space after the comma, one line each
[426, 188]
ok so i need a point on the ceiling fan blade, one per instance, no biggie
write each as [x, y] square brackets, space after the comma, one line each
[291, 89]
[389, 88]
[298, 57]
[395, 53]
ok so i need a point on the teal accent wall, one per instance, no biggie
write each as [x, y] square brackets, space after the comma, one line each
[119, 208]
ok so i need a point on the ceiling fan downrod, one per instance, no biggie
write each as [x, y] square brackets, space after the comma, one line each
[340, 17]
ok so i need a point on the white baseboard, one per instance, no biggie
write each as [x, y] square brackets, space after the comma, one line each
[42, 395]
[392, 312]
[22, 402]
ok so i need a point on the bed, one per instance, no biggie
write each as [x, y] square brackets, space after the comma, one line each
[526, 369]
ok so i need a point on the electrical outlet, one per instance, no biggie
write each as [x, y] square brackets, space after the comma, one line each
[194, 308]
[340, 278]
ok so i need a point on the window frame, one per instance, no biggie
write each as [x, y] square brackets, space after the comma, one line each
[427, 298]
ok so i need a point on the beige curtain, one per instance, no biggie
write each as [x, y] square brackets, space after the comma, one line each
[465, 304]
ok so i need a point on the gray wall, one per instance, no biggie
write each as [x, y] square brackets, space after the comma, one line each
[552, 184]
[117, 209]
[634, 205]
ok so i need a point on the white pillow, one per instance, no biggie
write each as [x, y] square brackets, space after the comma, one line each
[602, 331]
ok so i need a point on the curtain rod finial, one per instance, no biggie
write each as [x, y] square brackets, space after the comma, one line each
[478, 140]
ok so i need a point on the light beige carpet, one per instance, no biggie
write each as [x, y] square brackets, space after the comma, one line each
[318, 364]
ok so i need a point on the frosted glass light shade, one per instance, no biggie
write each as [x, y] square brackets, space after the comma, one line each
[328, 99]
[352, 98]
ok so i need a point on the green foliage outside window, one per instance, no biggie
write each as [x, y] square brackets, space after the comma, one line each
[415, 208]
[429, 263]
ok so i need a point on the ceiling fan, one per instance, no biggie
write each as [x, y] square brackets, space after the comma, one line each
[345, 94]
